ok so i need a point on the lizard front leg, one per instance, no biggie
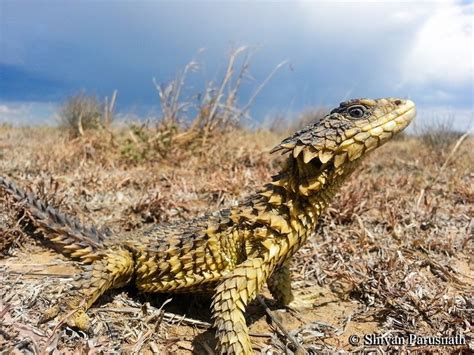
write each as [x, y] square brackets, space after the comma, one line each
[114, 270]
[239, 288]
[279, 284]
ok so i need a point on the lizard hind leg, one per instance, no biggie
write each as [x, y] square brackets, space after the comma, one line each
[114, 270]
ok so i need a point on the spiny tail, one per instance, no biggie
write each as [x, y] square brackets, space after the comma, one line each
[67, 234]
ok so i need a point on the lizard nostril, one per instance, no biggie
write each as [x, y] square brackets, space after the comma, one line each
[398, 102]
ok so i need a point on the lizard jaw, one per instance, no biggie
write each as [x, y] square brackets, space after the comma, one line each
[376, 133]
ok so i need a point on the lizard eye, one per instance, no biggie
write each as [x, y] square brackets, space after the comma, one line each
[357, 111]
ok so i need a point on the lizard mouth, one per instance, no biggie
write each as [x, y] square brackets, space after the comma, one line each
[376, 133]
[394, 121]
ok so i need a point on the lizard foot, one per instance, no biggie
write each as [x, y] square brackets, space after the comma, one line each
[70, 312]
[302, 302]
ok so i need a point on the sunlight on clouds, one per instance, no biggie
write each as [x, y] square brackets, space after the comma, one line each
[363, 21]
[9, 113]
[25, 113]
[422, 47]
[442, 52]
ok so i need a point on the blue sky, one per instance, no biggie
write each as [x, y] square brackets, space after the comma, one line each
[423, 50]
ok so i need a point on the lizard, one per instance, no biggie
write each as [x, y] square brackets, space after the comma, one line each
[234, 252]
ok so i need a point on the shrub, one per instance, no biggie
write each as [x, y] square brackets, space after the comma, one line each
[83, 112]
[145, 143]
[439, 135]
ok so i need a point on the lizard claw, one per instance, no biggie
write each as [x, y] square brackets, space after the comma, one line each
[49, 314]
[302, 302]
[73, 317]
[79, 319]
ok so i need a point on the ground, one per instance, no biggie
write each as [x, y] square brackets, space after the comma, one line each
[392, 256]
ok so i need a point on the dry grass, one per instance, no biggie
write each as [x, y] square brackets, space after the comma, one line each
[391, 256]
[192, 121]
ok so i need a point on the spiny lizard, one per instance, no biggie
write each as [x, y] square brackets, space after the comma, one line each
[233, 252]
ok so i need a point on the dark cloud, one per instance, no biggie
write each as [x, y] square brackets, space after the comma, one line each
[29, 85]
[336, 49]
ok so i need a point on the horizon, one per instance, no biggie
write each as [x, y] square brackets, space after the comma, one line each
[335, 51]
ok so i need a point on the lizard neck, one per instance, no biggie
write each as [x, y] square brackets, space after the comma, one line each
[302, 191]
[285, 212]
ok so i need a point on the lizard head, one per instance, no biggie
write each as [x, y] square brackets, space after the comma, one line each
[335, 143]
[350, 130]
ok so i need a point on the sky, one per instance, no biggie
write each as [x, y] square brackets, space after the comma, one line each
[422, 50]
